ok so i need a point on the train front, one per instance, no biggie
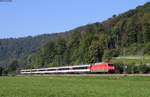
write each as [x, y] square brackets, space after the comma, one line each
[105, 67]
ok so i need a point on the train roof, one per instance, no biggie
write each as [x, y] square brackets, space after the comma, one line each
[84, 65]
[59, 67]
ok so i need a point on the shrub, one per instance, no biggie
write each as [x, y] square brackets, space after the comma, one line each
[119, 68]
[144, 68]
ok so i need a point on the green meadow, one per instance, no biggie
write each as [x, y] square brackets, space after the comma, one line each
[132, 59]
[74, 86]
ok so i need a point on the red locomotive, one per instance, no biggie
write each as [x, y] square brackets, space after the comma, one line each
[104, 67]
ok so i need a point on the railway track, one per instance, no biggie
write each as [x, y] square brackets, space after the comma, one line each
[86, 75]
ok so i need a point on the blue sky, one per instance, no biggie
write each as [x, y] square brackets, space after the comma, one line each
[33, 17]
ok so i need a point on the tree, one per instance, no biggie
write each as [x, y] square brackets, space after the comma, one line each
[83, 52]
[60, 50]
[147, 49]
[12, 66]
[48, 52]
[107, 55]
[146, 27]
[1, 71]
[95, 52]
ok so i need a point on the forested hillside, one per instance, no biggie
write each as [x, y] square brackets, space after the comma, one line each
[20, 48]
[124, 34]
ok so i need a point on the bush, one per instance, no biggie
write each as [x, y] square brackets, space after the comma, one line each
[144, 68]
[147, 49]
[132, 68]
[119, 68]
[1, 71]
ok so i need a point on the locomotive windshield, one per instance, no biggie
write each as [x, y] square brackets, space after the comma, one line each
[110, 64]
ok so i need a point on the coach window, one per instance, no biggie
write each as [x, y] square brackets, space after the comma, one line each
[42, 70]
[32, 70]
[63, 68]
[51, 69]
[80, 67]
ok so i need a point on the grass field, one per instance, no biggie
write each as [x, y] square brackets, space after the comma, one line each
[74, 86]
[132, 59]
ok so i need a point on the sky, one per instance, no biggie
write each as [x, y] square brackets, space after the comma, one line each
[21, 18]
